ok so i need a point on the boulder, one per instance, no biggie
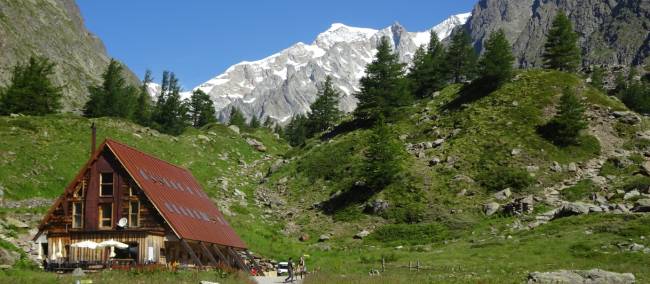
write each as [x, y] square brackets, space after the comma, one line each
[324, 238]
[490, 208]
[573, 208]
[256, 144]
[434, 161]
[642, 205]
[627, 117]
[572, 167]
[362, 234]
[8, 257]
[581, 276]
[515, 152]
[636, 247]
[532, 169]
[203, 138]
[234, 128]
[438, 142]
[376, 206]
[556, 167]
[304, 237]
[631, 194]
[15, 223]
[503, 195]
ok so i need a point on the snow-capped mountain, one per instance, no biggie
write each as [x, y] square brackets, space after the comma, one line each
[285, 84]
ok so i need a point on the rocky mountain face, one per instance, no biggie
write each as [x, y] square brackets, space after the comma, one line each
[53, 29]
[285, 84]
[612, 32]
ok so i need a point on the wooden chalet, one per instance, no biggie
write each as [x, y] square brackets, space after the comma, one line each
[157, 208]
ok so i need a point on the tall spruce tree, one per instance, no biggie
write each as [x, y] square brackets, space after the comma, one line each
[142, 113]
[114, 97]
[254, 123]
[564, 129]
[496, 63]
[296, 131]
[171, 113]
[325, 111]
[427, 74]
[384, 162]
[461, 57]
[237, 118]
[31, 90]
[384, 87]
[561, 51]
[201, 109]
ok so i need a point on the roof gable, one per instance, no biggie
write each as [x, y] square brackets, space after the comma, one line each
[177, 196]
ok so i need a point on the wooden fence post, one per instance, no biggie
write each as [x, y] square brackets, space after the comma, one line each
[383, 265]
[418, 266]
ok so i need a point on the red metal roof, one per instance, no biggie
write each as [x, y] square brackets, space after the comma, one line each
[177, 196]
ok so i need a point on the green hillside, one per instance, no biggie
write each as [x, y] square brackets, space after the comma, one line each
[462, 150]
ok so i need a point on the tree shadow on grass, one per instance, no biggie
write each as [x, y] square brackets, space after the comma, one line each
[472, 92]
[346, 127]
[355, 195]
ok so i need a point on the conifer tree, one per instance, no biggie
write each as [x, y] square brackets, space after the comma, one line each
[384, 87]
[427, 74]
[384, 157]
[31, 90]
[461, 57]
[237, 118]
[113, 97]
[561, 51]
[296, 131]
[254, 123]
[564, 129]
[268, 122]
[201, 109]
[496, 63]
[142, 113]
[171, 115]
[325, 111]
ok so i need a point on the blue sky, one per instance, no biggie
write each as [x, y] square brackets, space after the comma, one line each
[199, 39]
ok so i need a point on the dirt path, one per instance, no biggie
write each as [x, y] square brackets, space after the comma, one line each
[273, 279]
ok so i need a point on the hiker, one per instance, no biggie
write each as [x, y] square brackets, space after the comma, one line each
[302, 267]
[290, 271]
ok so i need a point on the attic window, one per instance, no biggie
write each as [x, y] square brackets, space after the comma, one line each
[106, 184]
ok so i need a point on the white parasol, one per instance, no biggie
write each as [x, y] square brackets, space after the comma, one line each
[85, 244]
[112, 243]
[53, 256]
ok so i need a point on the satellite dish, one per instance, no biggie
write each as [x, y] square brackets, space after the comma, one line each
[122, 222]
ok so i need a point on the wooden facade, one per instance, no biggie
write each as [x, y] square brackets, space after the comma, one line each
[90, 209]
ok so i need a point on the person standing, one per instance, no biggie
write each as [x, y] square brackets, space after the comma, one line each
[302, 266]
[290, 271]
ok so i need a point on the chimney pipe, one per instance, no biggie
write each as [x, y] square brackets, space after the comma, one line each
[93, 141]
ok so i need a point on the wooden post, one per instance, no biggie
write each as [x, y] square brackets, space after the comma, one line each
[383, 265]
[189, 250]
[238, 259]
[410, 265]
[207, 252]
[418, 266]
[222, 257]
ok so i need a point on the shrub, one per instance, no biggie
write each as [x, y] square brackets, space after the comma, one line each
[501, 177]
[579, 191]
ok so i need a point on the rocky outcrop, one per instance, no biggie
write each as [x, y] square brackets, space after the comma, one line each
[54, 29]
[593, 276]
[611, 32]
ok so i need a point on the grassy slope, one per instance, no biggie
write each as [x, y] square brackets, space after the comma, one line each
[470, 247]
[474, 246]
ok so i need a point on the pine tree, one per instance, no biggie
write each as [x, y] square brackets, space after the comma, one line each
[461, 57]
[384, 87]
[201, 109]
[31, 90]
[268, 123]
[171, 113]
[564, 129]
[113, 97]
[496, 63]
[597, 77]
[296, 131]
[325, 111]
[237, 118]
[427, 74]
[254, 123]
[142, 113]
[561, 51]
[384, 157]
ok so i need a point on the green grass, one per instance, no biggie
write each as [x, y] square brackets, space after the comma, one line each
[580, 191]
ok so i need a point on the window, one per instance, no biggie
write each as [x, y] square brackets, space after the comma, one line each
[106, 215]
[134, 213]
[77, 215]
[106, 184]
